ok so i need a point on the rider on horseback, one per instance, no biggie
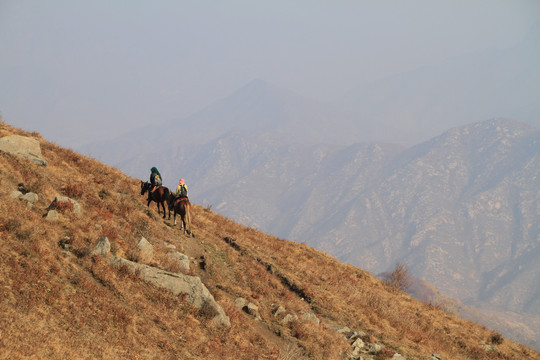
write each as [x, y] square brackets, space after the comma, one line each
[181, 190]
[155, 179]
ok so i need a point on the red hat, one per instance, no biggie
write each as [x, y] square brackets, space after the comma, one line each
[181, 181]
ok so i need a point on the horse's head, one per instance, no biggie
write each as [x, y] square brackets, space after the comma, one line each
[144, 186]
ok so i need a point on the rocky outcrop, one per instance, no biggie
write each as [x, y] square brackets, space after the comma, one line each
[197, 294]
[23, 147]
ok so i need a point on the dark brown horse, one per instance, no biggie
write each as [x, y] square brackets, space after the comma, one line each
[182, 206]
[160, 196]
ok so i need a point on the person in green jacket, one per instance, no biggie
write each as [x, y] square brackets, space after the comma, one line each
[155, 178]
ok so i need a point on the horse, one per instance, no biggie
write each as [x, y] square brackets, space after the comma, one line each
[181, 206]
[160, 196]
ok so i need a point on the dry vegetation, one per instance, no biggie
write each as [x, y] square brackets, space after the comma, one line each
[57, 301]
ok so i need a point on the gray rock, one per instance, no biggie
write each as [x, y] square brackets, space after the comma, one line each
[375, 348]
[23, 147]
[490, 347]
[52, 215]
[252, 310]
[240, 303]
[76, 205]
[102, 248]
[30, 197]
[288, 318]
[278, 311]
[358, 343]
[146, 250]
[180, 259]
[16, 194]
[310, 317]
[197, 294]
[356, 334]
[398, 356]
[344, 330]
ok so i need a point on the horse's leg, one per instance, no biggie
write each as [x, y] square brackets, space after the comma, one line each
[184, 223]
[163, 206]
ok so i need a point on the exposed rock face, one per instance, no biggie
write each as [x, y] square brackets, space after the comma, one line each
[24, 147]
[197, 294]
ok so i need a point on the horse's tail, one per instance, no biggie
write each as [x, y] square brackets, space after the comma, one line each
[188, 214]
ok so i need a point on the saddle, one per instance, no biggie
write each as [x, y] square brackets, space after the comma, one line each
[177, 200]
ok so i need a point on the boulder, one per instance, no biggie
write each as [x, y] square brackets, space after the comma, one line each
[23, 147]
[345, 330]
[197, 294]
[62, 199]
[30, 197]
[358, 343]
[16, 194]
[375, 348]
[145, 249]
[310, 317]
[288, 318]
[52, 215]
[102, 248]
[252, 310]
[353, 335]
[180, 259]
[240, 303]
[278, 311]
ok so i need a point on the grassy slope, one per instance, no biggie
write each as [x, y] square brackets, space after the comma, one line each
[58, 303]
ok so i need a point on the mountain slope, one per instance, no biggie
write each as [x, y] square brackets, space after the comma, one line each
[59, 301]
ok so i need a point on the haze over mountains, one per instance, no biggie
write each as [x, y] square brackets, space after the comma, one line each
[419, 104]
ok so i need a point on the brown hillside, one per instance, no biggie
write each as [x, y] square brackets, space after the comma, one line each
[59, 302]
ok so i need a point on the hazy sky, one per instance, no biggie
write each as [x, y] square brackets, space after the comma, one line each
[77, 70]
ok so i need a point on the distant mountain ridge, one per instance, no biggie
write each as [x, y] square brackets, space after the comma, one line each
[258, 109]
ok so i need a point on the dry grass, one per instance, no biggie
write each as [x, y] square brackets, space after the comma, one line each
[57, 301]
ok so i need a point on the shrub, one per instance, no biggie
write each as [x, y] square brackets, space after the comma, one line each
[11, 225]
[74, 190]
[63, 206]
[496, 338]
[399, 279]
